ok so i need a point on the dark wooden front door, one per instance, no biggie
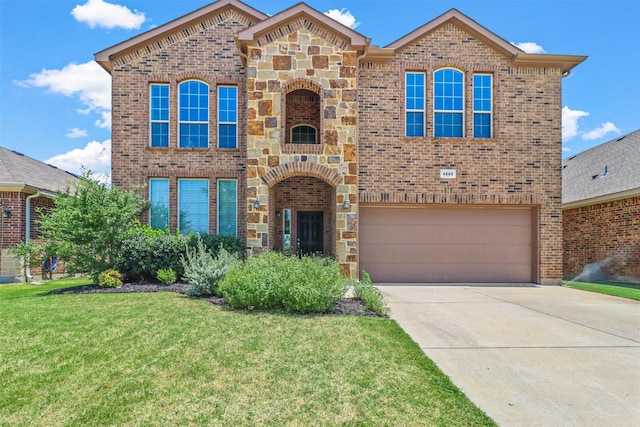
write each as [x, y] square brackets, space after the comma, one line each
[310, 233]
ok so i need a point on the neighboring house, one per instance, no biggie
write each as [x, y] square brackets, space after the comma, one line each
[26, 185]
[433, 159]
[601, 209]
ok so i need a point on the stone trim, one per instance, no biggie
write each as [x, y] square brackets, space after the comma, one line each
[288, 170]
[306, 23]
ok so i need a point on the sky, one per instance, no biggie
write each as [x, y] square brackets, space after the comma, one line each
[55, 100]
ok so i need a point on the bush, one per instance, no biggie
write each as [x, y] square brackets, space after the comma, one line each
[271, 280]
[370, 295]
[110, 279]
[167, 276]
[203, 270]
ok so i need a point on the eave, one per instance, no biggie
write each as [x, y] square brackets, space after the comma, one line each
[633, 192]
[565, 62]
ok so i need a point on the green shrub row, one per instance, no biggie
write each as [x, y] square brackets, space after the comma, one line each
[370, 295]
[203, 270]
[146, 251]
[272, 280]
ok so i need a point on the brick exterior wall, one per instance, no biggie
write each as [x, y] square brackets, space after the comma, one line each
[520, 165]
[605, 233]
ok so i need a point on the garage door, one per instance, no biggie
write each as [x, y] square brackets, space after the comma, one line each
[415, 245]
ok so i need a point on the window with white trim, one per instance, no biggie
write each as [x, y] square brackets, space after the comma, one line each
[159, 115]
[227, 117]
[482, 105]
[193, 114]
[227, 207]
[159, 203]
[448, 103]
[414, 104]
[193, 206]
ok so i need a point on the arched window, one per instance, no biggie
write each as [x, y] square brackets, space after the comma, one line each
[193, 107]
[448, 103]
[304, 134]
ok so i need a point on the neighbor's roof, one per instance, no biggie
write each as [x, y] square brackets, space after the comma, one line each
[606, 172]
[21, 173]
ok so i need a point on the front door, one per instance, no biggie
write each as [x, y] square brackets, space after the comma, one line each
[310, 233]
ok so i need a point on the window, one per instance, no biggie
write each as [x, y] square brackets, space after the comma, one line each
[194, 114]
[303, 134]
[414, 96]
[482, 105]
[448, 89]
[193, 206]
[227, 207]
[159, 201]
[159, 115]
[227, 117]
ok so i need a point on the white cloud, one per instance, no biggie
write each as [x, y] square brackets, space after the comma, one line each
[601, 131]
[529, 47]
[566, 149]
[570, 122]
[98, 13]
[95, 156]
[88, 82]
[76, 133]
[343, 16]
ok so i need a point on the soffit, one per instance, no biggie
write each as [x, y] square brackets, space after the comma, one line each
[175, 30]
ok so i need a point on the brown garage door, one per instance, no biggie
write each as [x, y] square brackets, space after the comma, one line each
[412, 245]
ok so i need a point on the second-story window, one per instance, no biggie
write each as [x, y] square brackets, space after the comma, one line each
[414, 104]
[482, 105]
[193, 114]
[304, 134]
[159, 115]
[227, 117]
[448, 99]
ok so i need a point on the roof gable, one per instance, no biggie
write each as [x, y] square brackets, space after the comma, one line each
[301, 14]
[606, 172]
[20, 171]
[177, 30]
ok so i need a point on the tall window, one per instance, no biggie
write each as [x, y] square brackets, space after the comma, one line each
[194, 114]
[482, 105]
[159, 115]
[227, 207]
[159, 201]
[414, 97]
[227, 116]
[193, 206]
[448, 90]
[303, 134]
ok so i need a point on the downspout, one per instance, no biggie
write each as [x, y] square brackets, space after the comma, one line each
[27, 229]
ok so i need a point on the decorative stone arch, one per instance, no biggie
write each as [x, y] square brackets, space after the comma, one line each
[302, 83]
[288, 170]
[301, 104]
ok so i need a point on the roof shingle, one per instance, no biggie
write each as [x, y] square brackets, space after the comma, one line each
[16, 168]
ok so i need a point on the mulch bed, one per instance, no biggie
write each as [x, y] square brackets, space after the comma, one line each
[351, 306]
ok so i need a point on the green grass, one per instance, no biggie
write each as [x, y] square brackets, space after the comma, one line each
[166, 359]
[615, 289]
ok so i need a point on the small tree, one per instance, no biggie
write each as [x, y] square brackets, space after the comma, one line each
[30, 253]
[88, 223]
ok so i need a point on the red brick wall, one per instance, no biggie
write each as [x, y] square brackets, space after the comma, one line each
[520, 165]
[606, 233]
[12, 229]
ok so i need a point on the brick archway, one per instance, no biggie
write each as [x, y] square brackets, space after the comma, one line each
[288, 170]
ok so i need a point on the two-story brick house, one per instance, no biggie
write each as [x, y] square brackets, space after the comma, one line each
[436, 158]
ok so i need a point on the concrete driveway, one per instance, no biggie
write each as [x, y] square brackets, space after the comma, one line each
[530, 355]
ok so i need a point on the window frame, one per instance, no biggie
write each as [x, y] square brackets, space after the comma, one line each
[315, 134]
[179, 213]
[221, 122]
[483, 112]
[161, 121]
[181, 122]
[168, 201]
[450, 111]
[408, 110]
[219, 204]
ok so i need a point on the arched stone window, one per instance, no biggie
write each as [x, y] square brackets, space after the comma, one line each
[304, 134]
[302, 117]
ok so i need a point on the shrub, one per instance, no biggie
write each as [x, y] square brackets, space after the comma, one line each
[370, 295]
[203, 270]
[110, 279]
[271, 280]
[167, 276]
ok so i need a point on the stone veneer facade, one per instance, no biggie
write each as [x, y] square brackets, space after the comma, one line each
[362, 155]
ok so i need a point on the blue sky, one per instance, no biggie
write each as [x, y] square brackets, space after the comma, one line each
[55, 101]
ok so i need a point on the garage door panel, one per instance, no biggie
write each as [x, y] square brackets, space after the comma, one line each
[448, 245]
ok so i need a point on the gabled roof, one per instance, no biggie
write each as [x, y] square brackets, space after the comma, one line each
[454, 16]
[301, 10]
[105, 57]
[609, 171]
[24, 174]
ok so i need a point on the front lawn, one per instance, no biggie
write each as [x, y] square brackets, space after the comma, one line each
[615, 289]
[166, 359]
